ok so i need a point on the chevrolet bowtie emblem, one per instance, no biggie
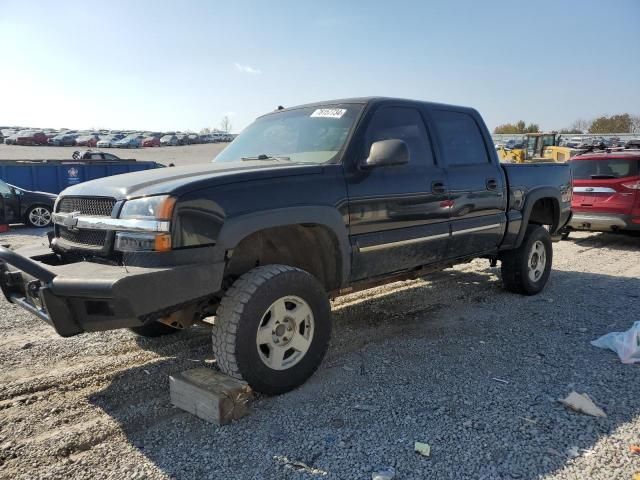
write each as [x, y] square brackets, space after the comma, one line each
[71, 219]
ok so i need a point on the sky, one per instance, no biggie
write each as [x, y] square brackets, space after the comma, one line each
[183, 65]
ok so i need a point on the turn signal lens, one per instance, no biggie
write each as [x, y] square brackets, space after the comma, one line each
[163, 242]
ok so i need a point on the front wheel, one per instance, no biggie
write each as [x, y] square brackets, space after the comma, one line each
[39, 216]
[526, 269]
[272, 328]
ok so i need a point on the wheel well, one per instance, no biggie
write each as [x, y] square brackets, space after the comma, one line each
[545, 212]
[310, 247]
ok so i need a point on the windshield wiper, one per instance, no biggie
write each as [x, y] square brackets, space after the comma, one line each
[262, 156]
[602, 176]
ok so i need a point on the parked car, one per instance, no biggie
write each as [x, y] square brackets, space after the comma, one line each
[93, 155]
[31, 137]
[13, 138]
[108, 141]
[128, 142]
[169, 140]
[62, 140]
[24, 206]
[87, 141]
[606, 191]
[216, 240]
[182, 139]
[151, 142]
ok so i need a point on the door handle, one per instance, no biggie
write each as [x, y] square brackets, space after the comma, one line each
[492, 184]
[438, 187]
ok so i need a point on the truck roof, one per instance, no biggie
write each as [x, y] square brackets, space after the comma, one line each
[371, 101]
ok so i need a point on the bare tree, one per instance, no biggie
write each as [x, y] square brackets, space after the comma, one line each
[225, 124]
[581, 125]
[635, 123]
[205, 131]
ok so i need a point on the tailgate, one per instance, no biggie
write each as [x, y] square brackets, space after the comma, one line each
[605, 185]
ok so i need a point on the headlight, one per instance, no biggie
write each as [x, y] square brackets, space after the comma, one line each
[159, 207]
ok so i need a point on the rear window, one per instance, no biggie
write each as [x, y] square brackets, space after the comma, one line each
[604, 168]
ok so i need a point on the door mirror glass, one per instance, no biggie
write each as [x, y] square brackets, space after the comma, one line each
[387, 152]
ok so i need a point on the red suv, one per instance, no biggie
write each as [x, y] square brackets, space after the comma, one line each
[606, 191]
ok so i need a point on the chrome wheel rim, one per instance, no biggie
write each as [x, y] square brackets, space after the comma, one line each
[40, 217]
[537, 261]
[285, 333]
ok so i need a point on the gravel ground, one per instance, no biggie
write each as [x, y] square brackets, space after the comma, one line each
[185, 155]
[410, 361]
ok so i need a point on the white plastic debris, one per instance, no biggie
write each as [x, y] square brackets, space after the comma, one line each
[625, 344]
[423, 449]
[580, 402]
[387, 473]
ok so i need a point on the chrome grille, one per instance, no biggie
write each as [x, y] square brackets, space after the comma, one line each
[87, 238]
[95, 206]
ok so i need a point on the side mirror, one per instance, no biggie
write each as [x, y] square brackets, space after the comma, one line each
[387, 152]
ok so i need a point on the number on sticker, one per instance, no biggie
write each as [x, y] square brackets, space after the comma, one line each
[329, 112]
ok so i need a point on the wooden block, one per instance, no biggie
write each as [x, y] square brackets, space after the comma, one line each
[210, 395]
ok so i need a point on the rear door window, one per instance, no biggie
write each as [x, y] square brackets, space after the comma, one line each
[461, 141]
[604, 168]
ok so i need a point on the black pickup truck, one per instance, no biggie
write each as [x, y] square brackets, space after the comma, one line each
[306, 204]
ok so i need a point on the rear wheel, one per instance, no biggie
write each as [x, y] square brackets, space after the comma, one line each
[272, 328]
[526, 269]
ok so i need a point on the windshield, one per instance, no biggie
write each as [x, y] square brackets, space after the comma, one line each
[303, 135]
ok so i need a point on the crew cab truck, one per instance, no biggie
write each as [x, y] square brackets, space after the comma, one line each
[306, 204]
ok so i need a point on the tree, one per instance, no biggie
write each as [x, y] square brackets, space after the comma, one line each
[225, 124]
[205, 131]
[614, 124]
[580, 126]
[635, 123]
[569, 131]
[518, 127]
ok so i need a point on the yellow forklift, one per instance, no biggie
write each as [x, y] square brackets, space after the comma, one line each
[538, 147]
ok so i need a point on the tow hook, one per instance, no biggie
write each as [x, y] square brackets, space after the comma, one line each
[33, 293]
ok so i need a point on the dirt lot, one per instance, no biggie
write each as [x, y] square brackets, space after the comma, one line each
[451, 360]
[187, 155]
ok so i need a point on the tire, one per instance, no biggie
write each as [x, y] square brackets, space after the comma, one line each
[154, 329]
[526, 269]
[281, 301]
[38, 216]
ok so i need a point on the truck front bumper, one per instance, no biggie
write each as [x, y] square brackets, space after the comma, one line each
[86, 296]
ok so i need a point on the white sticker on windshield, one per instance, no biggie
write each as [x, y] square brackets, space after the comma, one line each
[329, 112]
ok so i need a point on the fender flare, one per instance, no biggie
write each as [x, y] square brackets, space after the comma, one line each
[531, 198]
[235, 229]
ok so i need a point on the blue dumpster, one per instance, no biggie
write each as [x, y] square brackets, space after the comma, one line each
[55, 175]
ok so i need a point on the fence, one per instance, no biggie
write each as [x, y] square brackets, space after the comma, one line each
[587, 137]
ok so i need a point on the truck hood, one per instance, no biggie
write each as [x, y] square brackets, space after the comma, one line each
[179, 180]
